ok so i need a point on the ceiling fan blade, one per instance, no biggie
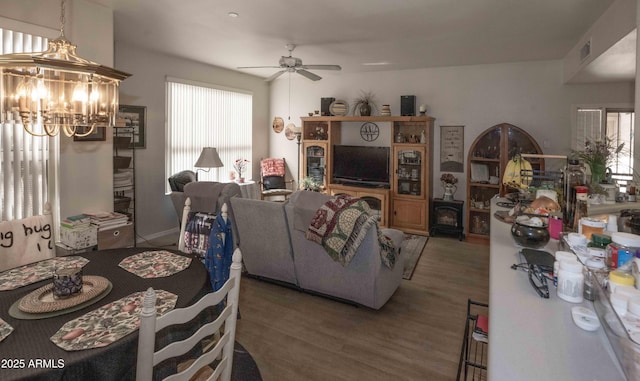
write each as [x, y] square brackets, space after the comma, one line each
[276, 75]
[308, 74]
[258, 67]
[322, 67]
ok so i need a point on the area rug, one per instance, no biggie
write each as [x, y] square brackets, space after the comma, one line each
[412, 248]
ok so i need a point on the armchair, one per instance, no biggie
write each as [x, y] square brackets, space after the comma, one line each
[272, 179]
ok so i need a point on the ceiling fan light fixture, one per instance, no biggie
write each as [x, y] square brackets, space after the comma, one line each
[233, 14]
[290, 64]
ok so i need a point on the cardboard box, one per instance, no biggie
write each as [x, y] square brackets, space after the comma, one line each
[79, 238]
[115, 238]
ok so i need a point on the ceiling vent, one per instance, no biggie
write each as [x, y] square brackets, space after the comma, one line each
[585, 50]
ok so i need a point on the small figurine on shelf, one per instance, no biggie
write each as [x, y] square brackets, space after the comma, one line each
[449, 182]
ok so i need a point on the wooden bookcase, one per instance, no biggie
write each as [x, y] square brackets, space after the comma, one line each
[405, 205]
[487, 159]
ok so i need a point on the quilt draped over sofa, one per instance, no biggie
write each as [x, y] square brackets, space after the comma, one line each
[340, 226]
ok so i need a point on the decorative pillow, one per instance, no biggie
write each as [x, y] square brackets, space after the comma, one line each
[272, 167]
[197, 231]
[273, 182]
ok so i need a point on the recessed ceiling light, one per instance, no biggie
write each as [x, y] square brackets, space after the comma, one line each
[233, 14]
[376, 63]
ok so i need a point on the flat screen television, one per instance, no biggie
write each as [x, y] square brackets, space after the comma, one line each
[361, 165]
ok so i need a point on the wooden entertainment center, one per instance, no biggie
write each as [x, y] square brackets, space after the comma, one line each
[405, 204]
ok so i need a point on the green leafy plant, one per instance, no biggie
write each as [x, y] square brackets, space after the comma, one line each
[307, 183]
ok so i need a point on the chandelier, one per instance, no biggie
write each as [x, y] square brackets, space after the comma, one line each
[57, 90]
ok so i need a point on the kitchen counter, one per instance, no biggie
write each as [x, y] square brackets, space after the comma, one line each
[613, 208]
[531, 338]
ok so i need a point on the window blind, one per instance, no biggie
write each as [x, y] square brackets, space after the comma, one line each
[201, 115]
[589, 126]
[24, 158]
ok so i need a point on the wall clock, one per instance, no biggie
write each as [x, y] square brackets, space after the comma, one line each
[369, 131]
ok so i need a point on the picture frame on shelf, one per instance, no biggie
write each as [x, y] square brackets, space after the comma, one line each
[99, 134]
[133, 120]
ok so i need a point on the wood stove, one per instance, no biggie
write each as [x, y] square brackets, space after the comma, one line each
[446, 217]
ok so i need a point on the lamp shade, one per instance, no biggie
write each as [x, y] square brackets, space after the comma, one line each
[209, 159]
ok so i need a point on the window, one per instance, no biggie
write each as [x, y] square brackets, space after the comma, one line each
[24, 159]
[617, 124]
[201, 115]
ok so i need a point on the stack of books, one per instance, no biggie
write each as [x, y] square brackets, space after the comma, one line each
[81, 221]
[108, 220]
[481, 331]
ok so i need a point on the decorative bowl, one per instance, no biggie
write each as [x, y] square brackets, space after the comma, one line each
[533, 237]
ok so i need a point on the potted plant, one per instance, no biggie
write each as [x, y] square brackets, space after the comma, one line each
[307, 183]
[240, 165]
[364, 103]
[449, 182]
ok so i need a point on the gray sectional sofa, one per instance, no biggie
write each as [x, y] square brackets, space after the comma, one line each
[272, 239]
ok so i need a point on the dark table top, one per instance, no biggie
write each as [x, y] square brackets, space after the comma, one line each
[30, 338]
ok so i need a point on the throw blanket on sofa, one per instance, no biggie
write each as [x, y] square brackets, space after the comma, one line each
[340, 226]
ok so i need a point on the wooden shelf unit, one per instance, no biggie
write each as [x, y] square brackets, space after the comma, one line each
[489, 153]
[406, 204]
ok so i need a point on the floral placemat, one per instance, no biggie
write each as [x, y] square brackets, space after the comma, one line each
[5, 329]
[37, 271]
[155, 264]
[109, 323]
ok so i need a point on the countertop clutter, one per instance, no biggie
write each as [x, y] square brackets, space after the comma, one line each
[533, 337]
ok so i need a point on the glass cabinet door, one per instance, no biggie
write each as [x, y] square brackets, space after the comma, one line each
[409, 172]
[315, 163]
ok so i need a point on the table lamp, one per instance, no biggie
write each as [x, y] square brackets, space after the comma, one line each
[208, 159]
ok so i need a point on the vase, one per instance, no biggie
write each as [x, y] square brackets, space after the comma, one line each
[598, 173]
[449, 191]
[365, 109]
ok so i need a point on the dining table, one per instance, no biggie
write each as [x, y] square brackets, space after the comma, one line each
[29, 353]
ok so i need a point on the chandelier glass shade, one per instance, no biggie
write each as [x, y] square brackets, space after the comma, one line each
[57, 90]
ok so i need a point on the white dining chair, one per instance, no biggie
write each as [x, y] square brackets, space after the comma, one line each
[201, 216]
[222, 351]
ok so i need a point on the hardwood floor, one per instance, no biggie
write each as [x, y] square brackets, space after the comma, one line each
[417, 335]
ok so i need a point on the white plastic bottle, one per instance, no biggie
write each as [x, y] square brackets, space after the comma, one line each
[571, 281]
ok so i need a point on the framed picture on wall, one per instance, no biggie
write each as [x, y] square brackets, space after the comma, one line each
[133, 122]
[97, 135]
[451, 148]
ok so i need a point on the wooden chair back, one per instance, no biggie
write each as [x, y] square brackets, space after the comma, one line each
[150, 324]
[272, 179]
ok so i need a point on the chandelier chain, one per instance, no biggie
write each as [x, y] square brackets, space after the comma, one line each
[62, 19]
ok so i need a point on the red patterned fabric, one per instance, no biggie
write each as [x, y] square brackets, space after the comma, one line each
[272, 167]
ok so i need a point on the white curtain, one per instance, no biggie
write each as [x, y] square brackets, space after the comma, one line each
[202, 115]
[24, 166]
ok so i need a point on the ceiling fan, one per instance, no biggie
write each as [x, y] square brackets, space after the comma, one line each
[294, 65]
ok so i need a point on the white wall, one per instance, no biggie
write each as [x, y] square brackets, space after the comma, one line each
[529, 95]
[155, 214]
